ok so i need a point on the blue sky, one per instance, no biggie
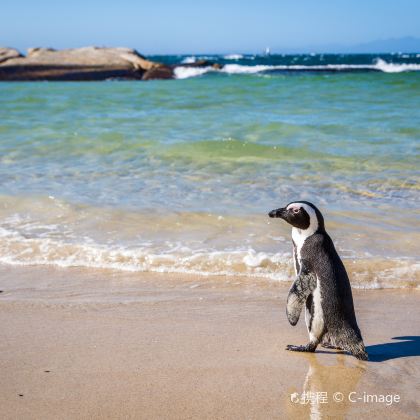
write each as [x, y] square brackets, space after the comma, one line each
[187, 26]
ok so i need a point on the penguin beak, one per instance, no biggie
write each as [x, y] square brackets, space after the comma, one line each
[277, 213]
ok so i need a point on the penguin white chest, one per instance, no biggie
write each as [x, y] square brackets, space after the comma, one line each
[314, 320]
[298, 239]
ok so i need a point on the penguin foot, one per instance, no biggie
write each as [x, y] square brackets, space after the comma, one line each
[308, 348]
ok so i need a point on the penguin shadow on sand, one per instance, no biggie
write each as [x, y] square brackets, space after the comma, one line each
[322, 381]
[406, 346]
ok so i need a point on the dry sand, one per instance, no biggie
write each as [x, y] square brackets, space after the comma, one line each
[86, 344]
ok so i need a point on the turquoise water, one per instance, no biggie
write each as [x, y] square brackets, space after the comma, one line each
[179, 175]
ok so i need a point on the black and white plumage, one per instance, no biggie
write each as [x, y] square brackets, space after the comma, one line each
[322, 284]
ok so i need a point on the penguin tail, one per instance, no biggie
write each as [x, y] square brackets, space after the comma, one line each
[358, 350]
[351, 341]
[361, 355]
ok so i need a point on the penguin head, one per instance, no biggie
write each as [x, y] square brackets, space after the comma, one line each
[301, 215]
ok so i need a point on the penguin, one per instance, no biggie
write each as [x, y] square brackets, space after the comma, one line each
[321, 285]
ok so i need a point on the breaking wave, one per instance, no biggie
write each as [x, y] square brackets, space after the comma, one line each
[189, 60]
[45, 248]
[379, 66]
[233, 57]
[187, 72]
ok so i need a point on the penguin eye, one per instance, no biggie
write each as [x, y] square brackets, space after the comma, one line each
[296, 210]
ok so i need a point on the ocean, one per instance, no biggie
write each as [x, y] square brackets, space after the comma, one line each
[179, 175]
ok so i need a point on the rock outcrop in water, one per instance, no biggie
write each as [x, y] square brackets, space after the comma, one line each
[8, 53]
[89, 63]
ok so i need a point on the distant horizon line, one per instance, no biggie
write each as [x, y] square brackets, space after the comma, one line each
[242, 53]
[283, 53]
[401, 45]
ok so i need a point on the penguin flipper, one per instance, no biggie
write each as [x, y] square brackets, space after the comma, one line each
[302, 287]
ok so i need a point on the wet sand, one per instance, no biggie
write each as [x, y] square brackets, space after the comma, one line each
[90, 344]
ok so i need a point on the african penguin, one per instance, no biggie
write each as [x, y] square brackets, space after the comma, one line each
[321, 283]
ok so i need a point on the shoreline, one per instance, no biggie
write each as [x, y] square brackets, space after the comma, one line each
[83, 343]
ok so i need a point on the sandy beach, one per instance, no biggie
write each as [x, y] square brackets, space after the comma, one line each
[90, 344]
